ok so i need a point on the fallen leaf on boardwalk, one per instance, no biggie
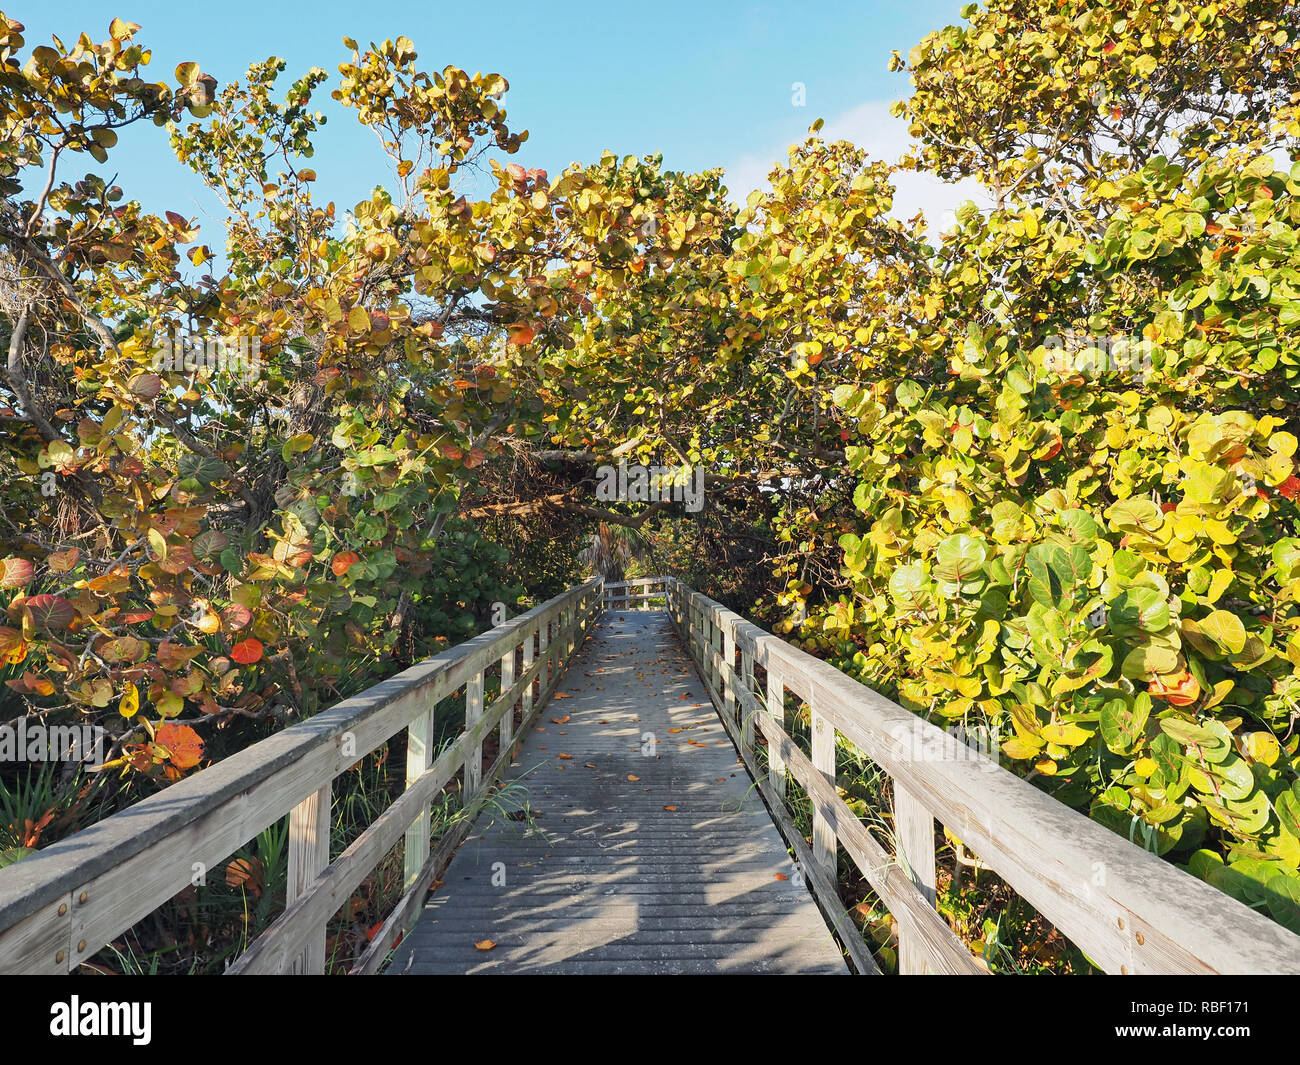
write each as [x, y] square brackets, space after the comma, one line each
[540, 747]
[566, 757]
[779, 876]
[632, 777]
[696, 743]
[588, 765]
[683, 697]
[676, 730]
[720, 780]
[563, 695]
[602, 721]
[484, 944]
[562, 720]
[673, 808]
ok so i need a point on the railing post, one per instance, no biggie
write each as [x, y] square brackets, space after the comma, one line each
[507, 682]
[729, 672]
[543, 642]
[914, 833]
[823, 760]
[419, 756]
[715, 656]
[474, 758]
[776, 707]
[309, 854]
[529, 640]
[747, 687]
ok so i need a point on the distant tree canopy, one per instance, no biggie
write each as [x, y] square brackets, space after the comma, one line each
[1036, 475]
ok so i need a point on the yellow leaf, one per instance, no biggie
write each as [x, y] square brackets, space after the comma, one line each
[130, 703]
[1067, 735]
[1262, 747]
[1018, 747]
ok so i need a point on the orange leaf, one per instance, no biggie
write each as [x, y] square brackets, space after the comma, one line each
[566, 757]
[343, 562]
[246, 652]
[631, 777]
[561, 720]
[673, 808]
[563, 695]
[246, 873]
[183, 743]
[484, 944]
[779, 876]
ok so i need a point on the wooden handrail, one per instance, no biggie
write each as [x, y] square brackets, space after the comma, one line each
[1127, 909]
[63, 904]
[620, 594]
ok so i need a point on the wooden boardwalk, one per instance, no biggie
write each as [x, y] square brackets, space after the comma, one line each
[576, 867]
[627, 838]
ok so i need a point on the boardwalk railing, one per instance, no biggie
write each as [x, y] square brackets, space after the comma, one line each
[629, 595]
[1128, 910]
[62, 905]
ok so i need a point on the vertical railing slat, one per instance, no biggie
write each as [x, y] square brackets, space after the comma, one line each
[776, 707]
[474, 759]
[914, 833]
[823, 760]
[309, 854]
[419, 756]
[507, 681]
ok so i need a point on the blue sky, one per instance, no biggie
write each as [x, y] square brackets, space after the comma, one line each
[705, 83]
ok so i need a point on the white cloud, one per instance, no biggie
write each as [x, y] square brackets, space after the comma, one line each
[871, 126]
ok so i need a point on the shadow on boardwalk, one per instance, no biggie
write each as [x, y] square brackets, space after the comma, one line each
[628, 838]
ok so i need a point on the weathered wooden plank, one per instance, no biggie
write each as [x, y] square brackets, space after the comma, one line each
[915, 914]
[473, 756]
[747, 708]
[40, 944]
[507, 682]
[825, 851]
[526, 700]
[914, 831]
[776, 711]
[419, 756]
[309, 854]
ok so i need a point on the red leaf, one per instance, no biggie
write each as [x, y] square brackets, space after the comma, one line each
[183, 744]
[343, 562]
[246, 652]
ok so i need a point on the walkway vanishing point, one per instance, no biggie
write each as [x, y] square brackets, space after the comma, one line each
[630, 838]
[664, 843]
